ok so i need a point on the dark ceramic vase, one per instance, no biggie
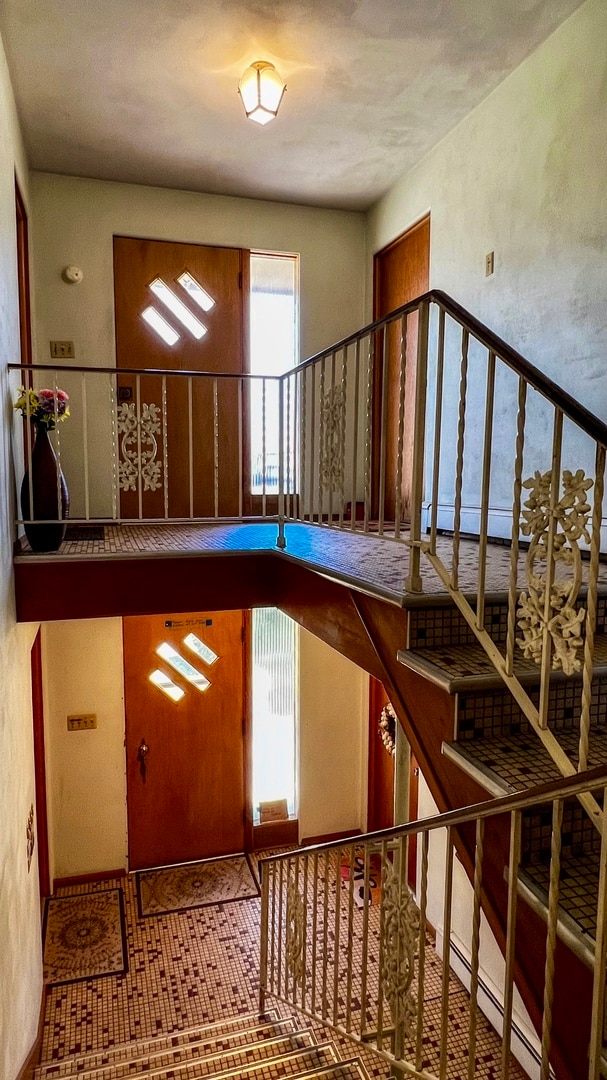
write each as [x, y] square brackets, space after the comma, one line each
[44, 495]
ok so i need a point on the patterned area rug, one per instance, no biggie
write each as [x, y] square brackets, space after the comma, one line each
[84, 937]
[195, 885]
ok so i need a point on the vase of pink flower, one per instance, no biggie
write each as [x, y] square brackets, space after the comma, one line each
[44, 494]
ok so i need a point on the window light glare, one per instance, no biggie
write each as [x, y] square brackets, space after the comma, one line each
[203, 651]
[195, 290]
[172, 657]
[167, 685]
[174, 304]
[164, 330]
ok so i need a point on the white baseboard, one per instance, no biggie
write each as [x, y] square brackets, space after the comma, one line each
[499, 523]
[525, 1044]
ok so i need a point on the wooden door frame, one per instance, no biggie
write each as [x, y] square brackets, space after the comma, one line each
[40, 766]
[422, 222]
[23, 277]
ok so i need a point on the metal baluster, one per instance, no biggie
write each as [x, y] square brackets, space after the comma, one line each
[350, 856]
[288, 449]
[421, 960]
[115, 450]
[365, 941]
[58, 444]
[314, 929]
[546, 657]
[513, 865]
[273, 924]
[336, 934]
[321, 425]
[305, 933]
[303, 377]
[591, 602]
[280, 908]
[382, 930]
[402, 387]
[312, 440]
[447, 905]
[330, 441]
[413, 581]
[459, 466]
[438, 419]
[240, 447]
[402, 885]
[485, 486]
[296, 894]
[85, 448]
[383, 429]
[325, 936]
[215, 449]
[191, 445]
[475, 946]
[344, 398]
[355, 433]
[263, 447]
[296, 460]
[553, 914]
[280, 539]
[165, 446]
[516, 523]
[138, 407]
[369, 431]
[263, 960]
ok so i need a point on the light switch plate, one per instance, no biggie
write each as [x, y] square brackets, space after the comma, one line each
[81, 721]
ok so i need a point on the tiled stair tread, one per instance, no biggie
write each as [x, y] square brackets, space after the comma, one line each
[230, 1032]
[578, 887]
[211, 1060]
[460, 667]
[294, 1063]
[514, 762]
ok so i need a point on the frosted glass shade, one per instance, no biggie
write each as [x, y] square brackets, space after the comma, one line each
[261, 89]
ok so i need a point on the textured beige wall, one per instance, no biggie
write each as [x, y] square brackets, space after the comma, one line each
[333, 718]
[83, 670]
[86, 769]
[20, 952]
[524, 176]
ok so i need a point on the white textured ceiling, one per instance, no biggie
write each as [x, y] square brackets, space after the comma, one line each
[146, 90]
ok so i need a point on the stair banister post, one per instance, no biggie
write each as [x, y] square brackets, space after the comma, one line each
[413, 582]
[263, 958]
[280, 539]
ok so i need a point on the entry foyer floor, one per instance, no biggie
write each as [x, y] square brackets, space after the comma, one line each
[196, 967]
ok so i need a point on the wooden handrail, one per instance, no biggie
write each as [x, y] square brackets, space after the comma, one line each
[553, 789]
[181, 373]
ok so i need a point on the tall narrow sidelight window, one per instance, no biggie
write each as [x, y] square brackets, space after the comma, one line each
[273, 707]
[274, 322]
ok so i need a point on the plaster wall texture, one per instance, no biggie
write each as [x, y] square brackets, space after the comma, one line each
[83, 672]
[73, 222]
[333, 717]
[87, 788]
[20, 950]
[523, 175]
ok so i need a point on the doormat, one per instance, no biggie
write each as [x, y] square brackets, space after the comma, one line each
[85, 532]
[84, 937]
[374, 879]
[195, 885]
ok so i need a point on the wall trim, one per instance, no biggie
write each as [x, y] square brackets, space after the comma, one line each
[499, 524]
[83, 879]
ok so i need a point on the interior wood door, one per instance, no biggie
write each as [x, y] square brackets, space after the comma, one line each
[186, 752]
[401, 273]
[194, 465]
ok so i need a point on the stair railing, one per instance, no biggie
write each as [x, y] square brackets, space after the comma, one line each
[346, 942]
[426, 428]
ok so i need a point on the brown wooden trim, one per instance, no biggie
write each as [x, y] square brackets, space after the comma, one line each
[40, 767]
[23, 278]
[275, 834]
[26, 1072]
[247, 730]
[330, 838]
[423, 221]
[83, 879]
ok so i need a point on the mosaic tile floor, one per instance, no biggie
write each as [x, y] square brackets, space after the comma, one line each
[377, 563]
[199, 967]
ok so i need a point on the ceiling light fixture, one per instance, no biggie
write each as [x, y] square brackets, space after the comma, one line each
[261, 89]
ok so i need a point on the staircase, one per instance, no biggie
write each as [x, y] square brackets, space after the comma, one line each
[239, 1048]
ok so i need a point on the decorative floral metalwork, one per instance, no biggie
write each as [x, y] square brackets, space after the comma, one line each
[401, 933]
[295, 926]
[138, 447]
[333, 407]
[564, 621]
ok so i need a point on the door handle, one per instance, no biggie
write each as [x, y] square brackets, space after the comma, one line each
[142, 754]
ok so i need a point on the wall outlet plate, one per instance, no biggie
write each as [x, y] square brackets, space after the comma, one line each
[81, 721]
[489, 263]
[62, 350]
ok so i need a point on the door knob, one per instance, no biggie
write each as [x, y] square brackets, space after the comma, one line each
[142, 753]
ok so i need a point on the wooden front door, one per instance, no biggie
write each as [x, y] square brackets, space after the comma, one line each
[190, 465]
[185, 741]
[401, 273]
